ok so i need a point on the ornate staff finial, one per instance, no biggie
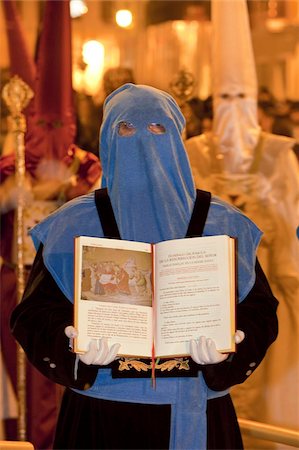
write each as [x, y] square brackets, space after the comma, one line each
[17, 94]
[182, 86]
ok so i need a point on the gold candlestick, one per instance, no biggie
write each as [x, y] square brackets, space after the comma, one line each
[17, 95]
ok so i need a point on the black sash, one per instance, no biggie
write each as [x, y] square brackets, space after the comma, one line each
[106, 214]
[125, 367]
[199, 214]
[110, 228]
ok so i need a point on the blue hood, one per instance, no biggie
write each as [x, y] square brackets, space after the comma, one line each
[148, 176]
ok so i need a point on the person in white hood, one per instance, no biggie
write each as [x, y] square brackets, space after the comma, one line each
[258, 173]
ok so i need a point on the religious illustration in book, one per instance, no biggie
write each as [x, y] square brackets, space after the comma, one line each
[117, 276]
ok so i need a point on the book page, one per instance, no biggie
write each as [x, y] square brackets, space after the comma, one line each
[194, 293]
[113, 294]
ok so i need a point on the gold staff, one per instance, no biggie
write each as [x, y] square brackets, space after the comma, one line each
[182, 86]
[17, 95]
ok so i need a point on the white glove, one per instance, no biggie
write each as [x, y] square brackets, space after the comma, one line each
[204, 350]
[239, 336]
[98, 351]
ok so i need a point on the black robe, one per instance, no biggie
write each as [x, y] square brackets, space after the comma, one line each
[38, 324]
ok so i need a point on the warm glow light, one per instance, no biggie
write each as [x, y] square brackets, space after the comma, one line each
[93, 53]
[124, 18]
[78, 8]
[88, 80]
[179, 26]
[77, 78]
[276, 25]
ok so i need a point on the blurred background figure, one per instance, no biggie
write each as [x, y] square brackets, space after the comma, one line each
[265, 95]
[257, 171]
[193, 113]
[115, 77]
[57, 170]
[199, 115]
[87, 123]
[272, 121]
[294, 116]
[294, 119]
[89, 109]
[182, 87]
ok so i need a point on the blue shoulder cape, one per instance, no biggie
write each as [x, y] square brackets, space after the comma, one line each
[79, 217]
[186, 395]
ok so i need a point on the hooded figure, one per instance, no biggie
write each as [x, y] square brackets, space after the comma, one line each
[258, 173]
[56, 170]
[149, 196]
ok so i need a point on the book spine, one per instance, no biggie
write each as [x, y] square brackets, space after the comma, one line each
[154, 315]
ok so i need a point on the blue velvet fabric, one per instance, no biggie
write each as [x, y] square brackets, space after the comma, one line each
[79, 217]
[186, 395]
[148, 176]
[152, 194]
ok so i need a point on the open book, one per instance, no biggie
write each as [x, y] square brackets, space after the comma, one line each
[157, 296]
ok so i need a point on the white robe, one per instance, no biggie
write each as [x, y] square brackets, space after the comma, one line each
[269, 194]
